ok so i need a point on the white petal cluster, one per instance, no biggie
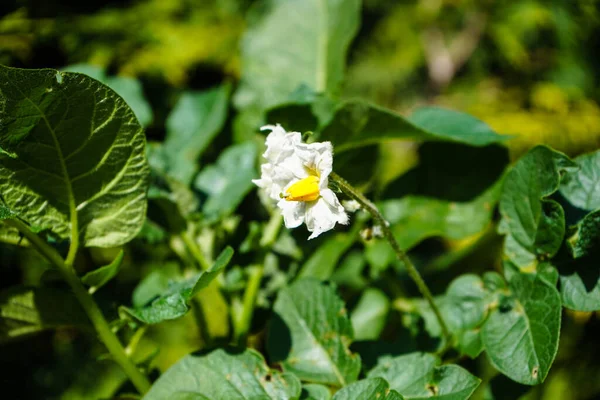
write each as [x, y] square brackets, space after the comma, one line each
[288, 161]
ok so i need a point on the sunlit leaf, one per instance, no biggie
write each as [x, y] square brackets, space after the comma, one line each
[310, 334]
[420, 376]
[223, 374]
[292, 43]
[521, 335]
[77, 156]
[582, 187]
[367, 389]
[369, 316]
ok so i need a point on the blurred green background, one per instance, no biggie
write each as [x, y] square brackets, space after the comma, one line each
[530, 69]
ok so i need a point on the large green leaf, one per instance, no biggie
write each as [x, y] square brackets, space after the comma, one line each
[29, 310]
[196, 119]
[228, 181]
[414, 218]
[314, 391]
[223, 374]
[521, 334]
[534, 225]
[128, 88]
[368, 389]
[357, 123]
[77, 163]
[174, 302]
[420, 376]
[582, 187]
[291, 43]
[310, 334]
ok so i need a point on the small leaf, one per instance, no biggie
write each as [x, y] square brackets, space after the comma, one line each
[228, 181]
[582, 187]
[99, 277]
[368, 389]
[307, 44]
[26, 311]
[174, 302]
[310, 334]
[586, 239]
[369, 316]
[194, 122]
[77, 156]
[419, 376]
[223, 374]
[357, 124]
[521, 335]
[534, 225]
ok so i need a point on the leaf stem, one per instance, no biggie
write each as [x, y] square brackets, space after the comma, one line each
[387, 233]
[244, 320]
[193, 248]
[88, 303]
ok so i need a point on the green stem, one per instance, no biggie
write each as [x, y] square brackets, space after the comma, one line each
[244, 321]
[193, 248]
[387, 233]
[88, 303]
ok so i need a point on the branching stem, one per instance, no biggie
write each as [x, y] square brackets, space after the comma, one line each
[88, 303]
[389, 236]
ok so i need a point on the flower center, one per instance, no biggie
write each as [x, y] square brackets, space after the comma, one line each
[306, 189]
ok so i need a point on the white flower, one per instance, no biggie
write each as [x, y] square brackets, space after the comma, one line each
[296, 177]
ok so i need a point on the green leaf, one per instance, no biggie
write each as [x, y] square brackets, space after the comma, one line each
[521, 334]
[174, 302]
[369, 316]
[310, 334]
[415, 218]
[314, 391]
[292, 43]
[463, 306]
[25, 311]
[579, 277]
[194, 122]
[228, 181]
[77, 156]
[323, 261]
[223, 374]
[368, 389]
[534, 225]
[100, 276]
[582, 187]
[128, 88]
[586, 239]
[419, 376]
[357, 124]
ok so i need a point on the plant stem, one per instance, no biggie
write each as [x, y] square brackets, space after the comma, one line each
[255, 274]
[88, 303]
[387, 233]
[193, 248]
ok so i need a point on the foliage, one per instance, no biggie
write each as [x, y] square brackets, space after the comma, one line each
[129, 223]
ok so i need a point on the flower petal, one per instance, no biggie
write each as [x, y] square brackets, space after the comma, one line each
[336, 207]
[293, 212]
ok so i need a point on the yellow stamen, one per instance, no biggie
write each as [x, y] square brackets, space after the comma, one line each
[306, 189]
